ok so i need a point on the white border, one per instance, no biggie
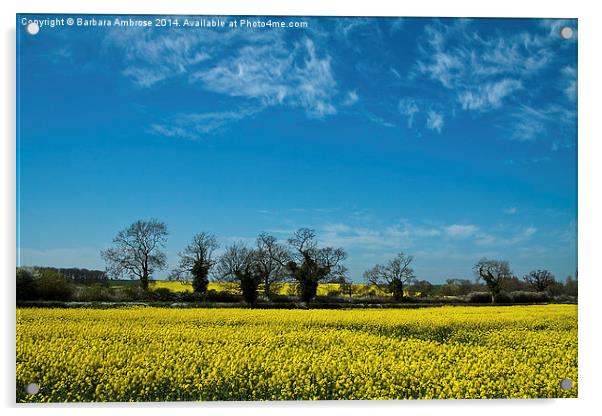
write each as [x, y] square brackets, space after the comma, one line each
[590, 207]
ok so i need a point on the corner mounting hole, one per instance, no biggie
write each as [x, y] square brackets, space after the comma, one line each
[566, 32]
[33, 28]
[566, 384]
[32, 388]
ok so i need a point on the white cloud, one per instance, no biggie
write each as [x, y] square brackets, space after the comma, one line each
[570, 80]
[368, 237]
[426, 232]
[196, 125]
[461, 230]
[408, 107]
[521, 236]
[434, 121]
[485, 239]
[529, 123]
[256, 72]
[275, 74]
[351, 98]
[444, 68]
[510, 210]
[528, 160]
[346, 26]
[259, 66]
[483, 71]
[489, 95]
[151, 56]
[527, 232]
[144, 77]
[550, 121]
[341, 235]
[380, 121]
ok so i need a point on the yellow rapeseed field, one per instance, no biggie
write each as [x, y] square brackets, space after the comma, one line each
[356, 289]
[152, 354]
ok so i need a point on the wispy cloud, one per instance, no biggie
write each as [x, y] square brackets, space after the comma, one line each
[368, 237]
[347, 26]
[274, 74]
[487, 239]
[510, 210]
[483, 72]
[408, 107]
[471, 70]
[494, 71]
[194, 126]
[554, 26]
[144, 77]
[406, 235]
[552, 121]
[570, 82]
[151, 57]
[338, 234]
[461, 230]
[351, 98]
[489, 95]
[434, 121]
[380, 121]
[528, 160]
[459, 58]
[259, 66]
[397, 25]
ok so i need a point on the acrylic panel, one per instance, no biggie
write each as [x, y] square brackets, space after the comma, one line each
[218, 208]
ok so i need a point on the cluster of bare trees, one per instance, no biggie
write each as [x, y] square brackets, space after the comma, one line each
[137, 252]
[392, 276]
[497, 274]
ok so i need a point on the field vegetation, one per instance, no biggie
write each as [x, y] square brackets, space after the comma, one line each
[158, 354]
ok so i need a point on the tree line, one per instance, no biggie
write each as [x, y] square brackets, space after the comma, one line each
[137, 252]
[79, 275]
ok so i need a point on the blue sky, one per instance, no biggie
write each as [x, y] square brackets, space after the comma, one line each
[447, 139]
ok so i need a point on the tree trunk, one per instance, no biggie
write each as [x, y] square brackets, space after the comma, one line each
[248, 286]
[397, 289]
[266, 286]
[309, 288]
[144, 280]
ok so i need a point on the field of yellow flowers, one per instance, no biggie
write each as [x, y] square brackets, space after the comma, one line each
[355, 289]
[157, 354]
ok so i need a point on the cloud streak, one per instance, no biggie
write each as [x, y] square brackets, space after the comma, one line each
[263, 68]
[274, 74]
[483, 73]
[196, 125]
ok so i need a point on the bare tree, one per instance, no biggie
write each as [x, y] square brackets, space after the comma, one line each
[345, 285]
[494, 273]
[196, 260]
[540, 280]
[424, 288]
[392, 276]
[239, 264]
[271, 258]
[136, 251]
[571, 286]
[310, 265]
